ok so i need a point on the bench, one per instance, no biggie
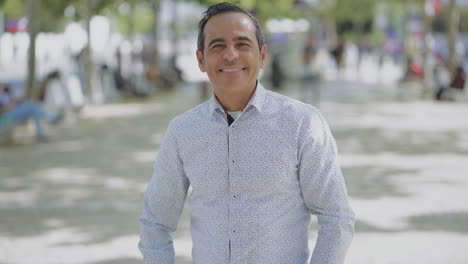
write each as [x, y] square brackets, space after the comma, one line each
[7, 130]
[6, 133]
[452, 94]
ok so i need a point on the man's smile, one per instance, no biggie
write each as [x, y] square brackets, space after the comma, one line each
[232, 70]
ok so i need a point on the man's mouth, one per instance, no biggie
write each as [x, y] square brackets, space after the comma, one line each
[232, 70]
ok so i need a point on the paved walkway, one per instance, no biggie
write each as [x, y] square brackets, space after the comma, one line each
[77, 199]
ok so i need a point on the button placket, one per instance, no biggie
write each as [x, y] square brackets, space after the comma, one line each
[233, 162]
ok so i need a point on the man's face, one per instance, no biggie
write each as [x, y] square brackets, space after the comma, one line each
[231, 56]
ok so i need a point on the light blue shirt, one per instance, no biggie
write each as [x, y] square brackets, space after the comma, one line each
[254, 184]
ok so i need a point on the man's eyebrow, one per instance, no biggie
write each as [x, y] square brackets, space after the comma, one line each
[216, 40]
[243, 38]
[240, 38]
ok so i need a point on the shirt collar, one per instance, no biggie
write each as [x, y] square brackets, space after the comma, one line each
[214, 104]
[257, 100]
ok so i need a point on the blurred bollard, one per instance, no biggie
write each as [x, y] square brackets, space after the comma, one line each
[109, 89]
[75, 91]
[310, 88]
[204, 90]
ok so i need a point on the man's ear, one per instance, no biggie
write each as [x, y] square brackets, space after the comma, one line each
[201, 63]
[263, 55]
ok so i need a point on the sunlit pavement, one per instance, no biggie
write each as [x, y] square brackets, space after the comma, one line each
[77, 199]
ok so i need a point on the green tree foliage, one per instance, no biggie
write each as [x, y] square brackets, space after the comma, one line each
[51, 12]
[262, 9]
[142, 14]
[13, 9]
[347, 10]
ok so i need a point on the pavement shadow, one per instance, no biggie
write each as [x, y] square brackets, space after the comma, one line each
[120, 261]
[456, 222]
[318, 92]
[179, 260]
[361, 226]
[183, 260]
[98, 225]
[372, 182]
[376, 140]
[89, 179]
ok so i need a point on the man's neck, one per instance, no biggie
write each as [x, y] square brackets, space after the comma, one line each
[234, 101]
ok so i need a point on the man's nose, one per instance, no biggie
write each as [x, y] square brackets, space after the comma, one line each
[231, 54]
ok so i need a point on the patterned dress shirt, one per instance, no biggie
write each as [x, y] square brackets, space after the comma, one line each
[255, 185]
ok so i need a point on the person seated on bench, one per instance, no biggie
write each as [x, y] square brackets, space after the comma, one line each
[456, 87]
[13, 112]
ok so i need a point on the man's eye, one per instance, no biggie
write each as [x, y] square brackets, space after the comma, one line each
[244, 44]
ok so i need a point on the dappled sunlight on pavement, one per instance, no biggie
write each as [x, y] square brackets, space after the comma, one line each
[405, 164]
[119, 110]
[77, 199]
[71, 246]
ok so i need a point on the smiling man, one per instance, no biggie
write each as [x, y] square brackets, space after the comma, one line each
[259, 163]
[232, 57]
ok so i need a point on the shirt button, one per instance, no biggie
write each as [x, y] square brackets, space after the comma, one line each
[234, 196]
[233, 161]
[233, 231]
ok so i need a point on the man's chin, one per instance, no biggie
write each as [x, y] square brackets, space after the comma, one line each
[235, 87]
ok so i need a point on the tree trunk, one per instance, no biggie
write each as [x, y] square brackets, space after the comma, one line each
[131, 20]
[427, 19]
[152, 69]
[131, 37]
[2, 23]
[33, 24]
[406, 39]
[156, 8]
[88, 55]
[175, 28]
[452, 33]
[330, 30]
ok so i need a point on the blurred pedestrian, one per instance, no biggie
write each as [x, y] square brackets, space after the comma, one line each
[13, 111]
[259, 164]
[457, 85]
[277, 75]
[441, 76]
[459, 78]
[308, 57]
[308, 53]
[337, 54]
[310, 76]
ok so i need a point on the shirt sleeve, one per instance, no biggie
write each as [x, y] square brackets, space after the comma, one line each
[163, 203]
[324, 190]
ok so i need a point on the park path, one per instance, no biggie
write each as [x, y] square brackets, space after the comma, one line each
[77, 199]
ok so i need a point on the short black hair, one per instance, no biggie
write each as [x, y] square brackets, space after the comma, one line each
[224, 8]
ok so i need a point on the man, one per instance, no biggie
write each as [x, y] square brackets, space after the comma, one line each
[259, 164]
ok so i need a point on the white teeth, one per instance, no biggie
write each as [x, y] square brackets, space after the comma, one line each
[231, 70]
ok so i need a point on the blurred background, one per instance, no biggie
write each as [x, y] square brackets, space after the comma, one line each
[94, 84]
